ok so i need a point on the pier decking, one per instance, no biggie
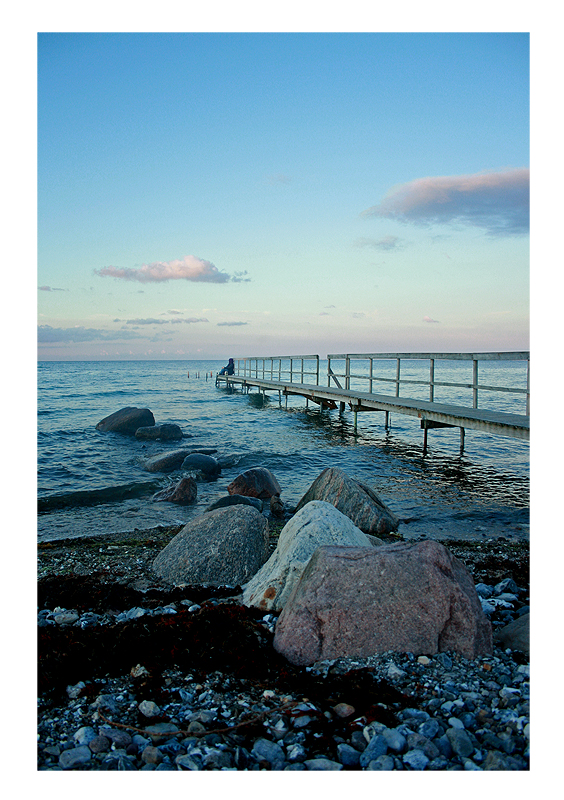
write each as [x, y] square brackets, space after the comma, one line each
[430, 413]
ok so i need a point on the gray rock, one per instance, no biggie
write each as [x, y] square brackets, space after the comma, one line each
[255, 482]
[223, 547]
[361, 601]
[207, 465]
[265, 750]
[515, 635]
[347, 755]
[100, 744]
[84, 735]
[127, 421]
[352, 498]
[415, 759]
[377, 746]
[322, 764]
[318, 523]
[73, 758]
[169, 461]
[460, 742]
[166, 432]
[234, 500]
[395, 740]
[183, 493]
[382, 764]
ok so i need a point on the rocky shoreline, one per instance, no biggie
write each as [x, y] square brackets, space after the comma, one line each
[136, 675]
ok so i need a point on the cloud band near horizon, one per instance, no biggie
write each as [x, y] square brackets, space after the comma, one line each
[495, 201]
[188, 268]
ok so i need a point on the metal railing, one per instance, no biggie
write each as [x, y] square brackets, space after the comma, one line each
[279, 368]
[431, 382]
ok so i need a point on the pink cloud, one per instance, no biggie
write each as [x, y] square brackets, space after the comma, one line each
[496, 201]
[188, 268]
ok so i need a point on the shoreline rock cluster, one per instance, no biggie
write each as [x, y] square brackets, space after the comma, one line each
[337, 647]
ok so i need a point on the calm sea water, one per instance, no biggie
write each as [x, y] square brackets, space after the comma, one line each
[482, 493]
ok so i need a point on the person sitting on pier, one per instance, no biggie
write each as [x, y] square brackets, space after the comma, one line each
[229, 369]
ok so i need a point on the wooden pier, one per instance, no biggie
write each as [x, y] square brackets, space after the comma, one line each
[285, 375]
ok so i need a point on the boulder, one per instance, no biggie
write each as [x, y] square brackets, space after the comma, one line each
[171, 460]
[205, 464]
[183, 493]
[127, 421]
[361, 601]
[318, 523]
[235, 499]
[167, 432]
[223, 547]
[515, 635]
[255, 482]
[352, 498]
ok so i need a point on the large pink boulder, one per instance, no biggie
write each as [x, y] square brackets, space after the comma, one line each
[360, 601]
[255, 482]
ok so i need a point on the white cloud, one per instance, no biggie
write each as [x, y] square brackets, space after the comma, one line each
[495, 201]
[188, 268]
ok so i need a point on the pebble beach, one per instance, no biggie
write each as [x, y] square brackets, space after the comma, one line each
[232, 704]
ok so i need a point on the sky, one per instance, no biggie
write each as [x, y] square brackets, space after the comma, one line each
[206, 195]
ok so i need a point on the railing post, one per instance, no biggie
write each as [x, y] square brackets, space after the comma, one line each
[475, 383]
[398, 367]
[302, 372]
[317, 370]
[347, 372]
[432, 379]
[371, 373]
[291, 369]
[328, 370]
[528, 395]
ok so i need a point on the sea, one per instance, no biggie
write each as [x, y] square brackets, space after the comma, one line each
[94, 483]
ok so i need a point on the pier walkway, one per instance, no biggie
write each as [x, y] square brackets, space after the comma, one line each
[285, 375]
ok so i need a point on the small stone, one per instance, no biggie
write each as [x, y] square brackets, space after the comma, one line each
[454, 722]
[66, 618]
[148, 708]
[75, 691]
[161, 730]
[73, 758]
[322, 764]
[344, 710]
[187, 762]
[347, 755]
[196, 727]
[460, 742]
[377, 746]
[84, 735]
[382, 763]
[100, 744]
[425, 660]
[151, 755]
[429, 728]
[139, 672]
[415, 759]
[297, 752]
[395, 740]
[265, 750]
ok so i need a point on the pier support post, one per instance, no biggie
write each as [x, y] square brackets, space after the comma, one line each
[387, 422]
[461, 441]
[341, 408]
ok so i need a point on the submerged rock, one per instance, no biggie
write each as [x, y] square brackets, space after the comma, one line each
[360, 601]
[234, 500]
[255, 482]
[205, 464]
[127, 421]
[166, 432]
[183, 493]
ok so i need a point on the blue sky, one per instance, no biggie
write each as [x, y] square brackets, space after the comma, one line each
[236, 194]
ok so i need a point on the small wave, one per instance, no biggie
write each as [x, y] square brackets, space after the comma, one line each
[92, 497]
